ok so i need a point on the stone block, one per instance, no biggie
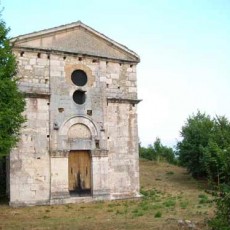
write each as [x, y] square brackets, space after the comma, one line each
[132, 77]
[28, 67]
[55, 73]
[132, 90]
[114, 76]
[103, 79]
[42, 61]
[33, 61]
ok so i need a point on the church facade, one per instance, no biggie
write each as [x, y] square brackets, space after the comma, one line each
[80, 140]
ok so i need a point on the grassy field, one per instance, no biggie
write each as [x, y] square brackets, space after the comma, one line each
[171, 198]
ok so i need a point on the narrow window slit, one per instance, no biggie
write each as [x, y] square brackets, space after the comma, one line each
[97, 144]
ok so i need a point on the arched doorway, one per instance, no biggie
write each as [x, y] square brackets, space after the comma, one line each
[79, 161]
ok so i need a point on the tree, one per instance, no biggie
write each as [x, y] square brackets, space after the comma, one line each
[205, 151]
[12, 103]
[205, 148]
[196, 135]
[217, 152]
[158, 152]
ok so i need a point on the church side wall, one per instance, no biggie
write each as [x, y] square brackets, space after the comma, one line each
[123, 146]
[122, 133]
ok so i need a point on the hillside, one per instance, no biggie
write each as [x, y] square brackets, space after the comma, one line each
[172, 200]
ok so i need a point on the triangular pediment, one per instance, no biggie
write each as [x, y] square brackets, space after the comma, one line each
[76, 38]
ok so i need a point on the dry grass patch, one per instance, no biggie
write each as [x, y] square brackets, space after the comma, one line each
[169, 195]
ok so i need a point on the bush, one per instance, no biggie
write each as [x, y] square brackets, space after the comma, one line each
[221, 221]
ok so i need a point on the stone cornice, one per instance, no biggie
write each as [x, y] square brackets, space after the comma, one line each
[123, 100]
[65, 53]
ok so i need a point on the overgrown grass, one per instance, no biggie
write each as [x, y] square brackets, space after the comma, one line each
[175, 196]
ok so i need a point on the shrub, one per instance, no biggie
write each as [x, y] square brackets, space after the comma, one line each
[221, 221]
[158, 214]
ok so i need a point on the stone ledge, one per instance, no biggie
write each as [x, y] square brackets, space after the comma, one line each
[101, 193]
[65, 153]
[29, 203]
[71, 200]
[59, 153]
[60, 195]
[37, 95]
[123, 196]
[123, 100]
[34, 90]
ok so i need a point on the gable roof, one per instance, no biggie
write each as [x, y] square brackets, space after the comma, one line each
[76, 38]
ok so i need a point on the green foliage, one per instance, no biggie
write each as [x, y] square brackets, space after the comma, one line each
[205, 148]
[196, 134]
[158, 152]
[184, 204]
[170, 173]
[171, 202]
[205, 151]
[158, 214]
[221, 221]
[11, 100]
[203, 199]
[217, 152]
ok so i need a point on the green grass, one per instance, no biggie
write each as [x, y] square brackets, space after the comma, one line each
[203, 199]
[164, 201]
[169, 173]
[158, 214]
[171, 202]
[184, 204]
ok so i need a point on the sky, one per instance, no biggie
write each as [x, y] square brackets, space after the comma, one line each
[184, 46]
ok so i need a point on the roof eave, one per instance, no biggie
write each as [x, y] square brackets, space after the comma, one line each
[47, 50]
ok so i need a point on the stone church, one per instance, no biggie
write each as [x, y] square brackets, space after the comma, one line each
[80, 140]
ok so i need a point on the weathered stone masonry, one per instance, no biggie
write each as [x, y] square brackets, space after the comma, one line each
[80, 141]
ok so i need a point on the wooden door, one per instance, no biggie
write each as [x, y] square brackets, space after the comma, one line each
[79, 171]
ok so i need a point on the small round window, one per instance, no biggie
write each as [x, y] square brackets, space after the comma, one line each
[79, 77]
[79, 97]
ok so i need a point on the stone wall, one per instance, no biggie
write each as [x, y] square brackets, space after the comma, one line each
[123, 148]
[105, 125]
[29, 162]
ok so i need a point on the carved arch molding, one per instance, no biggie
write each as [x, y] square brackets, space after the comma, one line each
[86, 128]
